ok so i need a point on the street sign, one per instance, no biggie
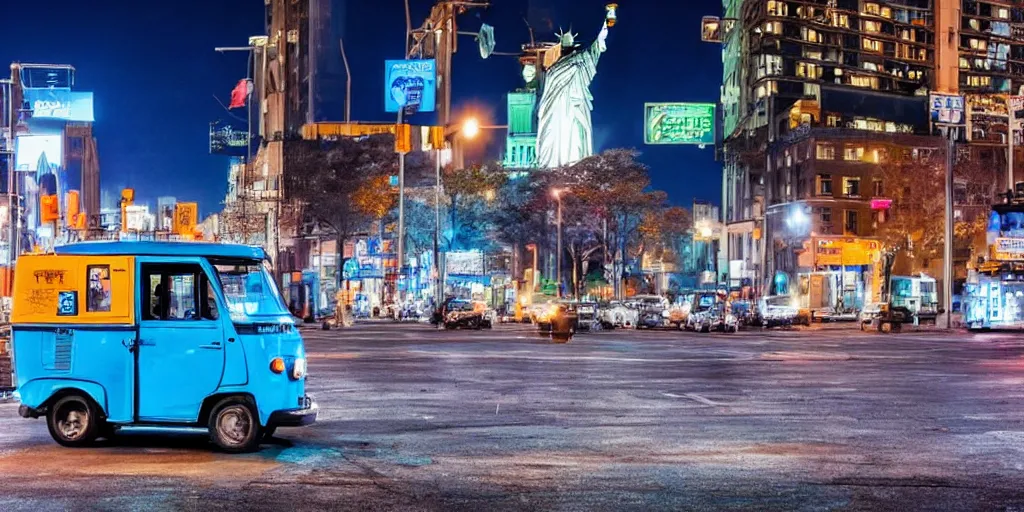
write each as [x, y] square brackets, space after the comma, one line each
[679, 123]
[947, 109]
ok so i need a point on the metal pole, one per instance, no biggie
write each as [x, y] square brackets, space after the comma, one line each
[1010, 155]
[11, 198]
[348, 83]
[438, 280]
[558, 258]
[947, 253]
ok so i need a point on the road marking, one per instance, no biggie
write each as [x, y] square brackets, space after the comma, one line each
[696, 398]
[580, 358]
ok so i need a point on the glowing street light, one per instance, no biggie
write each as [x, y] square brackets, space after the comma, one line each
[471, 128]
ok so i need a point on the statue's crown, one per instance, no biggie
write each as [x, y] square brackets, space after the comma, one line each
[566, 38]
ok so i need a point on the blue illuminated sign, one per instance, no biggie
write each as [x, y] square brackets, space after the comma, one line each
[60, 104]
[410, 84]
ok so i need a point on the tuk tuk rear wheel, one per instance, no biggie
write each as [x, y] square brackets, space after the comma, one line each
[74, 421]
[235, 426]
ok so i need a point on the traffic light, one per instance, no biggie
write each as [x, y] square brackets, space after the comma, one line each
[403, 138]
[49, 208]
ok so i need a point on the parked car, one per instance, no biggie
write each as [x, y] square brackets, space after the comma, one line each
[714, 318]
[465, 314]
[617, 314]
[587, 317]
[777, 311]
[546, 320]
[652, 311]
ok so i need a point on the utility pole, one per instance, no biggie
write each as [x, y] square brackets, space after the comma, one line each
[348, 83]
[947, 253]
[435, 38]
[12, 196]
[558, 258]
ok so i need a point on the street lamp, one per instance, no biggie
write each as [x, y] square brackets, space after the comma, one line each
[557, 194]
[471, 128]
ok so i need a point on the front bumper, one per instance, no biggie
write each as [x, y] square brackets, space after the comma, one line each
[295, 417]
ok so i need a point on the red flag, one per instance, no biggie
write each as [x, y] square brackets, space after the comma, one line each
[240, 94]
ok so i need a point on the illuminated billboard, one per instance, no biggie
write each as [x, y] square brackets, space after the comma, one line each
[679, 123]
[60, 104]
[410, 85]
[31, 150]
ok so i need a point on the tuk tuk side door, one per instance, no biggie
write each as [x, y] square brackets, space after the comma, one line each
[180, 350]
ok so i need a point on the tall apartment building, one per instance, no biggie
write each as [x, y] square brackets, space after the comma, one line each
[815, 92]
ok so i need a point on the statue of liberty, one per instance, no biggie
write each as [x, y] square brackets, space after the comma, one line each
[565, 132]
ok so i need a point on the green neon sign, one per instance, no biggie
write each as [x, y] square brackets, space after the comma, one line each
[679, 123]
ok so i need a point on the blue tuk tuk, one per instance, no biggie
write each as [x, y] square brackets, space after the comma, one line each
[115, 335]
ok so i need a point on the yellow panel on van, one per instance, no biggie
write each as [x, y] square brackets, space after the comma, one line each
[71, 289]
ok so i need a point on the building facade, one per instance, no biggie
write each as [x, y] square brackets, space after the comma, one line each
[816, 93]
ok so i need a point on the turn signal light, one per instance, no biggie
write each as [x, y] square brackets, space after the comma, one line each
[277, 365]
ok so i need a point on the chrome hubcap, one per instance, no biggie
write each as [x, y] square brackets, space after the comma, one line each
[235, 425]
[73, 424]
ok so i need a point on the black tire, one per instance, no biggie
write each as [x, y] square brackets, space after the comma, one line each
[235, 425]
[74, 421]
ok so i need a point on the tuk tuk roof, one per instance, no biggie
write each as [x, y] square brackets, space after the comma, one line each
[201, 249]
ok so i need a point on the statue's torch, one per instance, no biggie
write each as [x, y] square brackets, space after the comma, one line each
[610, 17]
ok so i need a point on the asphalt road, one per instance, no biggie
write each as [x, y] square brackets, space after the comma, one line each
[416, 419]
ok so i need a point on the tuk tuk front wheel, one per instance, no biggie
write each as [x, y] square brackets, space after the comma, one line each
[235, 426]
[74, 421]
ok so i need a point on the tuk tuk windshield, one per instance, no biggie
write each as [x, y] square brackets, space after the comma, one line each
[249, 289]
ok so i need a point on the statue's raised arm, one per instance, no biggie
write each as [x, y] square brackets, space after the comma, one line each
[602, 37]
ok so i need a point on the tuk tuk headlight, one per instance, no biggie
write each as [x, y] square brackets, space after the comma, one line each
[299, 369]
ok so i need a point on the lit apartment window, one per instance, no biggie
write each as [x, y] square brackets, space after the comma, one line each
[824, 184]
[840, 20]
[872, 26]
[826, 152]
[915, 75]
[853, 154]
[922, 54]
[964, 63]
[773, 27]
[870, 66]
[869, 82]
[777, 8]
[979, 81]
[887, 12]
[908, 34]
[1002, 13]
[809, 34]
[811, 53]
[851, 187]
[871, 45]
[872, 8]
[876, 188]
[974, 24]
[808, 70]
[977, 44]
[805, 11]
[850, 224]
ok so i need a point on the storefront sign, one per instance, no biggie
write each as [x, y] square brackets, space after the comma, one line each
[1008, 249]
[846, 252]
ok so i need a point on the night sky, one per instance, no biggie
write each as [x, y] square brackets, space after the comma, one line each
[155, 74]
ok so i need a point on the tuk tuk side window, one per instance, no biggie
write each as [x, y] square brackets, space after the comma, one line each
[176, 292]
[98, 295]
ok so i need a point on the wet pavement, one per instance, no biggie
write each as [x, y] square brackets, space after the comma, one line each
[416, 419]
